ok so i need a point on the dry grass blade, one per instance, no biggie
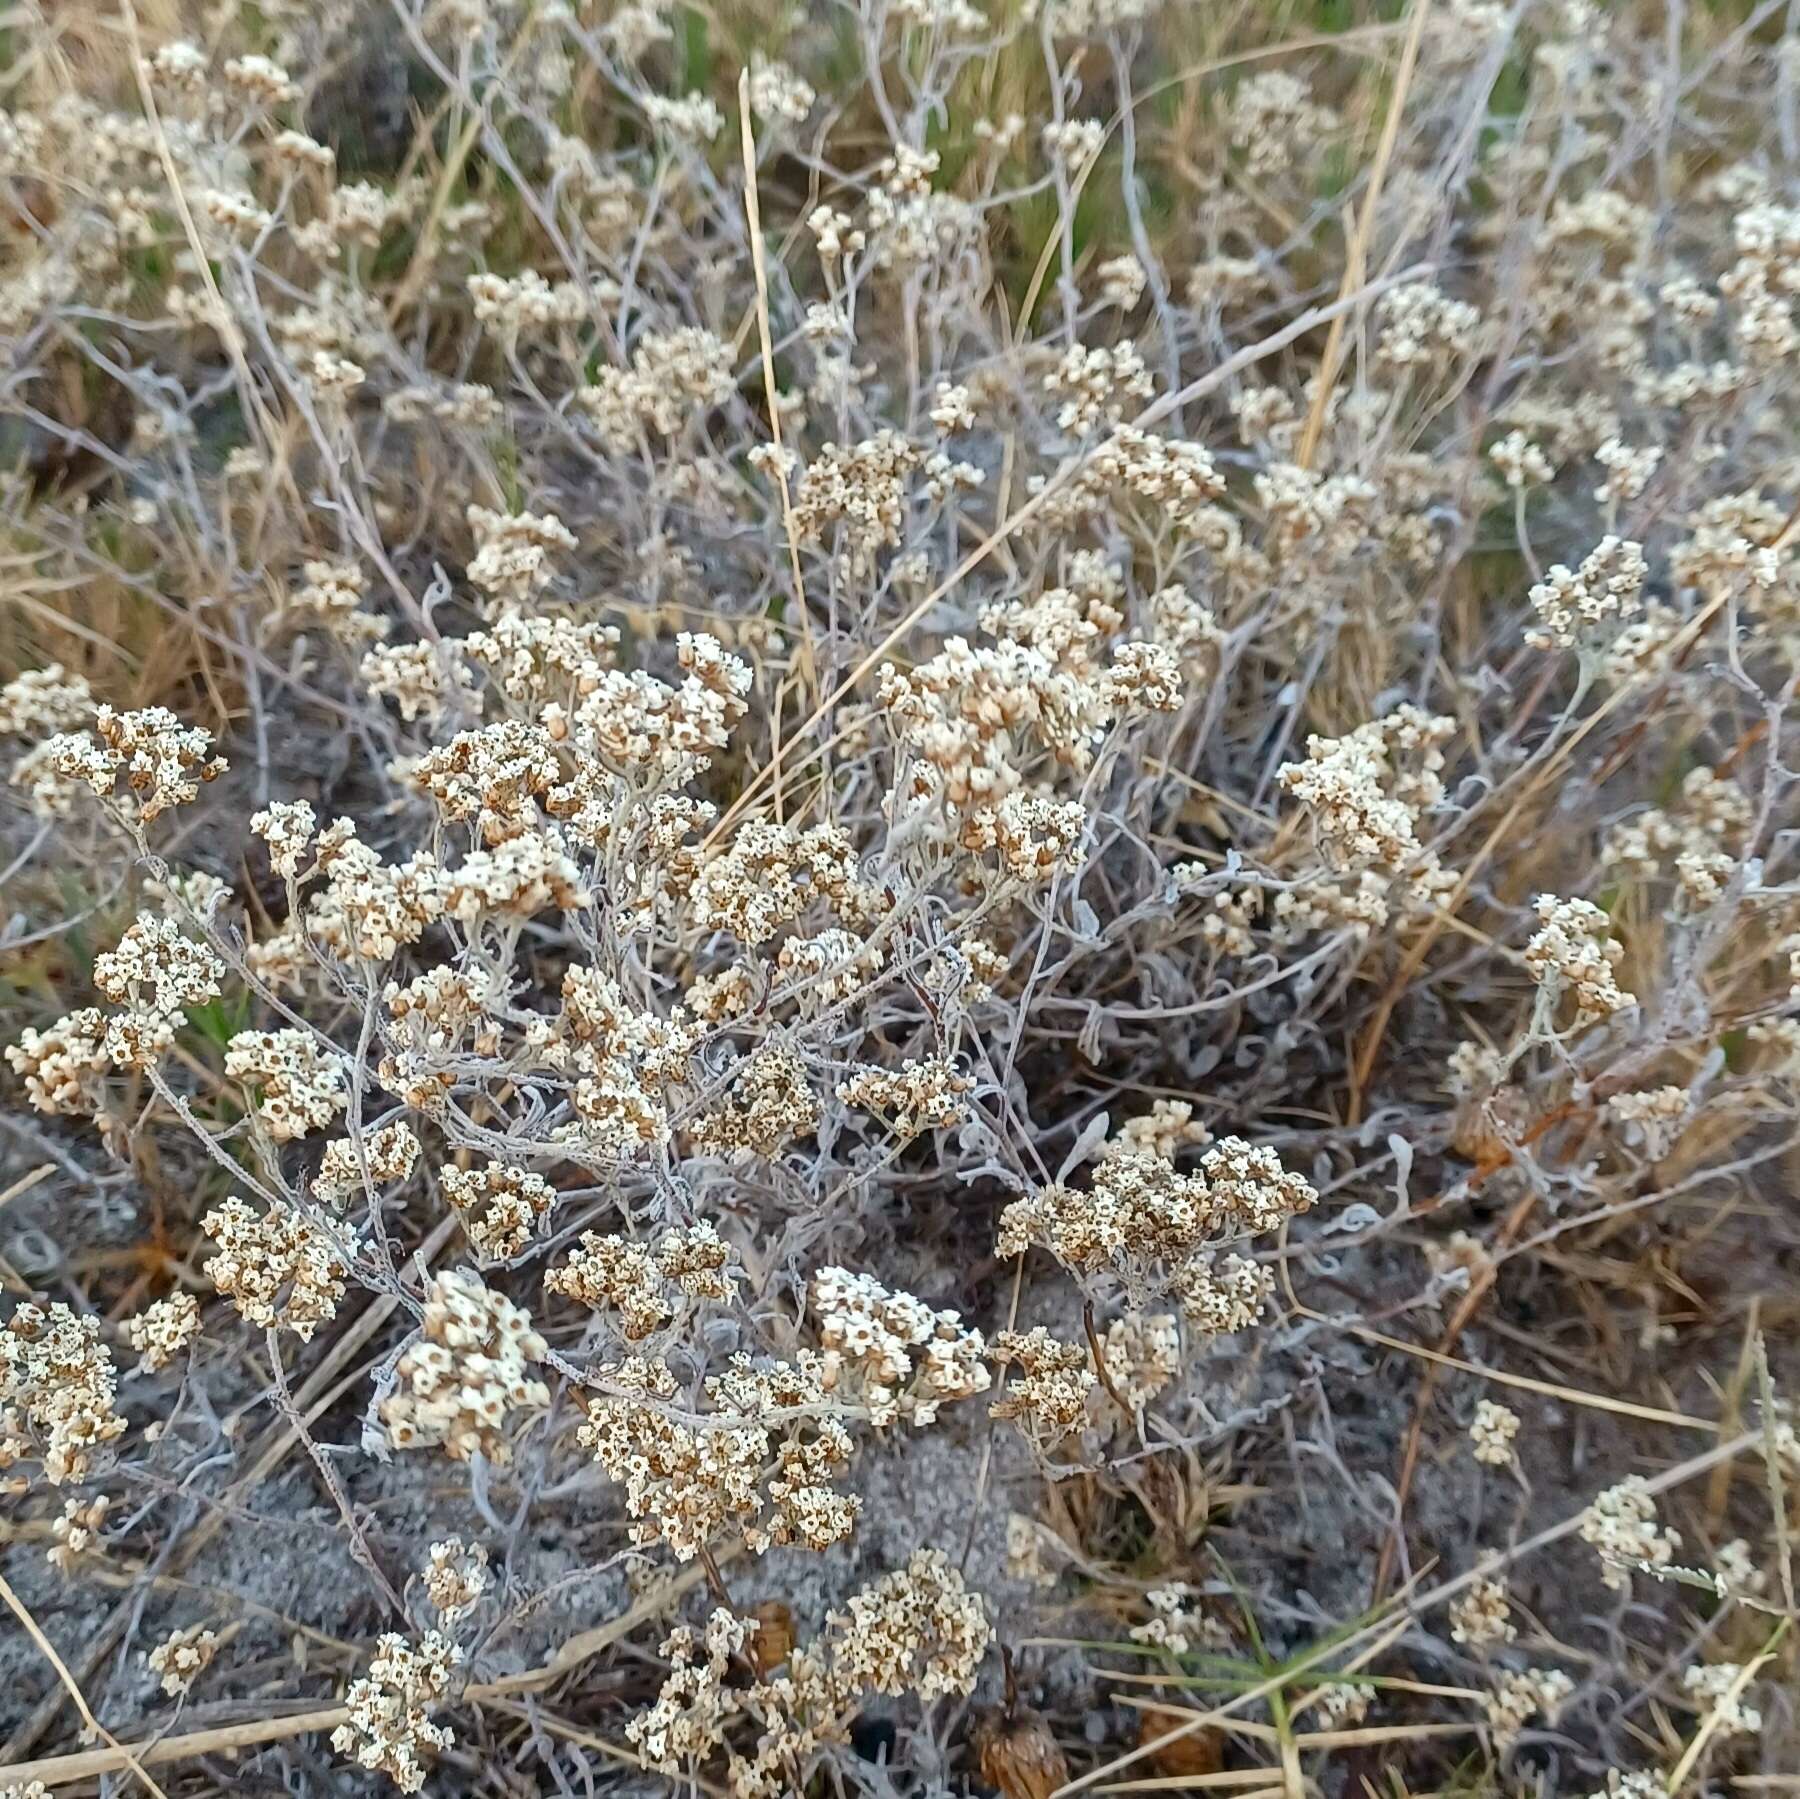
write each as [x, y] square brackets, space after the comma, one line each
[124, 1755]
[1356, 254]
[1711, 1723]
[772, 399]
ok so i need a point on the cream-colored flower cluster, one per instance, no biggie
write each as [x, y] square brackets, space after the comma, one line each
[160, 1332]
[916, 1630]
[922, 1094]
[1573, 951]
[1048, 1392]
[761, 1458]
[76, 1531]
[1700, 836]
[460, 1384]
[43, 701]
[770, 873]
[1521, 1695]
[1276, 122]
[153, 974]
[973, 719]
[455, 1578]
[298, 1082]
[162, 762]
[390, 1729]
[513, 550]
[58, 1392]
[1646, 1784]
[1621, 1526]
[646, 1283]
[1174, 1624]
[770, 1104]
[1143, 1357]
[350, 1166]
[182, 1657]
[1574, 606]
[696, 1704]
[1719, 1686]
[1365, 791]
[501, 1208]
[673, 376]
[860, 490]
[1165, 1131]
[1656, 1115]
[279, 1269]
[64, 1065]
[1482, 1616]
[891, 1352]
[1149, 1229]
[1492, 1434]
[1421, 325]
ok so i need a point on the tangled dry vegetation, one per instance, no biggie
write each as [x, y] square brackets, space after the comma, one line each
[901, 897]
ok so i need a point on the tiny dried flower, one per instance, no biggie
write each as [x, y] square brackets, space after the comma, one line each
[1492, 1433]
[182, 1657]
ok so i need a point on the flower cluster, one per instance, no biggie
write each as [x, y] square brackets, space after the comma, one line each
[919, 1095]
[645, 1283]
[456, 1576]
[501, 1208]
[459, 1385]
[154, 974]
[1150, 1229]
[1047, 1395]
[390, 1729]
[1492, 1433]
[1521, 1695]
[1482, 1616]
[182, 1657]
[57, 1392]
[916, 1630]
[892, 1352]
[1575, 605]
[1622, 1528]
[160, 1332]
[279, 1269]
[162, 762]
[298, 1082]
[1573, 951]
[760, 1458]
